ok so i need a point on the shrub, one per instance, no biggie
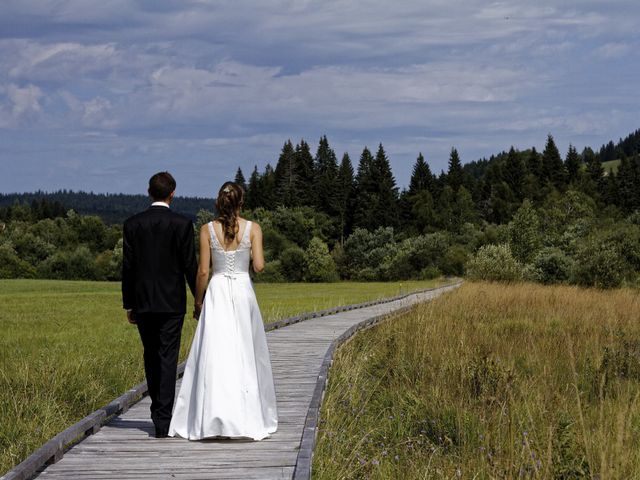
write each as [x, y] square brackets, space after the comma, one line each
[454, 260]
[524, 233]
[78, 264]
[30, 248]
[274, 243]
[364, 249]
[293, 264]
[598, 264]
[320, 264]
[12, 266]
[494, 262]
[551, 265]
[429, 273]
[272, 273]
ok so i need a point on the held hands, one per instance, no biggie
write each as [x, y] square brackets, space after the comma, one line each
[196, 311]
[130, 318]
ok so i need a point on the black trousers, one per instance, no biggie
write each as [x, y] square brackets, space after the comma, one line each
[160, 334]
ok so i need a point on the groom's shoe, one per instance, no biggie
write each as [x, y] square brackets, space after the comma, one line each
[162, 432]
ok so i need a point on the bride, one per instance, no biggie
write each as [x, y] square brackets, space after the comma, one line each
[227, 389]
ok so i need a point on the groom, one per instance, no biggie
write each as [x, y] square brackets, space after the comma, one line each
[159, 253]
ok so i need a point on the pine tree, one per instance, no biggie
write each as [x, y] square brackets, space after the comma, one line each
[286, 176]
[344, 196]
[269, 197]
[455, 175]
[325, 182]
[366, 192]
[240, 179]
[572, 165]
[386, 189]
[253, 199]
[552, 165]
[303, 190]
[628, 183]
[514, 173]
[421, 177]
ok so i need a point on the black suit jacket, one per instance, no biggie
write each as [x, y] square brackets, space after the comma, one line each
[159, 253]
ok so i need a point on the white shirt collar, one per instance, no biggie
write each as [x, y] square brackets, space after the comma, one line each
[160, 204]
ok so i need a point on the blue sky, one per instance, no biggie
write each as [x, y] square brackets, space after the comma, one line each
[98, 95]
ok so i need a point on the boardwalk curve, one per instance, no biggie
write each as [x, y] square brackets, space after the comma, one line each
[301, 355]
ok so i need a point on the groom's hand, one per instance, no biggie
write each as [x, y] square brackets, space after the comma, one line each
[197, 308]
[130, 318]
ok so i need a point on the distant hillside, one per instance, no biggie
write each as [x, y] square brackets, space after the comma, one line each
[112, 208]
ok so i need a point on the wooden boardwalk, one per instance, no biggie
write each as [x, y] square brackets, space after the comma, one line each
[126, 449]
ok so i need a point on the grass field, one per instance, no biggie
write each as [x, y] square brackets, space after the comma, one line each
[66, 348]
[490, 382]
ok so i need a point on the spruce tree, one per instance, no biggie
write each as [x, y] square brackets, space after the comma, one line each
[552, 165]
[514, 173]
[268, 188]
[455, 175]
[286, 176]
[386, 189]
[303, 191]
[253, 199]
[572, 165]
[344, 197]
[325, 181]
[628, 182]
[421, 177]
[366, 192]
[240, 179]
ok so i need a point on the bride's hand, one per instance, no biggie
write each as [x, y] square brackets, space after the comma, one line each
[196, 311]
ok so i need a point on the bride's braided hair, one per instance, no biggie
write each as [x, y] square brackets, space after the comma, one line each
[229, 201]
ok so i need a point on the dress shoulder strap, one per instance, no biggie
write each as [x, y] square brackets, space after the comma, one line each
[212, 234]
[247, 229]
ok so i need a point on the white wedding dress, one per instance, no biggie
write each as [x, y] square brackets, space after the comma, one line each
[227, 389]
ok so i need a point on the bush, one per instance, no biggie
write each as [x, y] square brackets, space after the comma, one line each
[454, 260]
[494, 262]
[524, 233]
[293, 264]
[272, 273]
[551, 265]
[274, 243]
[598, 264]
[75, 265]
[366, 250]
[429, 273]
[12, 266]
[30, 248]
[320, 264]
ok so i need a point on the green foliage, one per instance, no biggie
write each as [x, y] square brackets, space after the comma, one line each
[494, 263]
[320, 266]
[524, 233]
[365, 250]
[272, 273]
[598, 264]
[79, 264]
[11, 265]
[293, 264]
[551, 265]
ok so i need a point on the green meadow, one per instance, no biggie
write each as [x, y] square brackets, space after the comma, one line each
[66, 348]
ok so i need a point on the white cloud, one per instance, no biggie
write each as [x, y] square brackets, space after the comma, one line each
[614, 50]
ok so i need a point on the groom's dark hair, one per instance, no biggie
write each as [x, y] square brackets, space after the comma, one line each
[161, 185]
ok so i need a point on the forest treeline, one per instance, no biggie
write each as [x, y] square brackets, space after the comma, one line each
[113, 208]
[540, 216]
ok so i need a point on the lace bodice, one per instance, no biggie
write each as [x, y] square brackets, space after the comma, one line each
[232, 262]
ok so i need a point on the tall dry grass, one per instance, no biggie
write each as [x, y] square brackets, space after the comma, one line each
[490, 381]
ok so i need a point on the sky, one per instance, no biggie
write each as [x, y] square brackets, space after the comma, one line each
[98, 95]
